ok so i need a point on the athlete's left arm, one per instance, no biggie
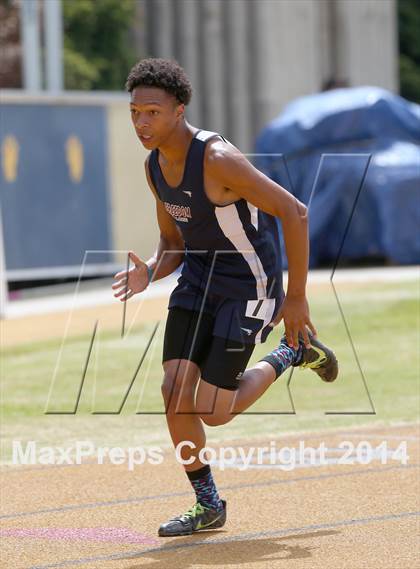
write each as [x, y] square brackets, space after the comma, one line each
[228, 166]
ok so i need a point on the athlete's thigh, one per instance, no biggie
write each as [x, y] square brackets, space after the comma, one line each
[221, 374]
[214, 402]
[188, 334]
[178, 372]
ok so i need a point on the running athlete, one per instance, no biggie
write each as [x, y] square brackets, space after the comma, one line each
[216, 215]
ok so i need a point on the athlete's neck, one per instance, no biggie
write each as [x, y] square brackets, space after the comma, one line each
[175, 147]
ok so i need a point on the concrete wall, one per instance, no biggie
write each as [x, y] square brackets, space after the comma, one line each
[287, 55]
[367, 42]
[248, 58]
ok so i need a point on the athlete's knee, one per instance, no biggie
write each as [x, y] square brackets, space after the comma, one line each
[172, 392]
[166, 390]
[216, 419]
[177, 391]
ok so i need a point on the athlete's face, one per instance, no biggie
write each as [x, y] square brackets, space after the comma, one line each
[155, 114]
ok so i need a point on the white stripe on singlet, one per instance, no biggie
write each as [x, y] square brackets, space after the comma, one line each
[232, 227]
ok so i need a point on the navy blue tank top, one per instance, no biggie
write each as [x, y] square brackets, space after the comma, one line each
[231, 250]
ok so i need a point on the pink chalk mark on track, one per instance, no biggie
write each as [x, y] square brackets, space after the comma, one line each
[111, 535]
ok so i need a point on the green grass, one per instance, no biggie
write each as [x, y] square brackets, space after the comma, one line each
[384, 324]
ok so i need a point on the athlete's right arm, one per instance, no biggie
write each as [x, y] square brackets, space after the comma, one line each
[171, 247]
[168, 255]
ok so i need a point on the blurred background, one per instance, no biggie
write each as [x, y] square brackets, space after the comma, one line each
[322, 94]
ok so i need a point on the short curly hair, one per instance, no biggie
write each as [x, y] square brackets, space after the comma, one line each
[164, 74]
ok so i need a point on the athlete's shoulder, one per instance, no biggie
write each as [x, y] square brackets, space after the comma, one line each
[222, 155]
[206, 135]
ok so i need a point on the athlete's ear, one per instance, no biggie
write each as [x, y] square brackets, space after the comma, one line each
[180, 110]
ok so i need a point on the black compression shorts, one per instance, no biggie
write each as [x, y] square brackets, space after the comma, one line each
[222, 339]
[222, 361]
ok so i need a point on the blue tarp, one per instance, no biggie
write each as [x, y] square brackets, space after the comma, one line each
[353, 155]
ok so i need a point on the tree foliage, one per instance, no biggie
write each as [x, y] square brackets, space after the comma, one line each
[409, 38]
[97, 49]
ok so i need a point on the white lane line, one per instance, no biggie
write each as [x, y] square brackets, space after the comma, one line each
[232, 487]
[227, 540]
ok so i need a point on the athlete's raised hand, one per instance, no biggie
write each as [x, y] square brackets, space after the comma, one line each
[132, 281]
[295, 313]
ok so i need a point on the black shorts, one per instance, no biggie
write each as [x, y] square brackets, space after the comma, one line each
[218, 334]
[221, 361]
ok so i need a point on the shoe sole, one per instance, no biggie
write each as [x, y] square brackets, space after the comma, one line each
[329, 371]
[162, 534]
[220, 522]
[213, 526]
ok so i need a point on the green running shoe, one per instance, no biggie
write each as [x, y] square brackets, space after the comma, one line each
[197, 518]
[319, 359]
